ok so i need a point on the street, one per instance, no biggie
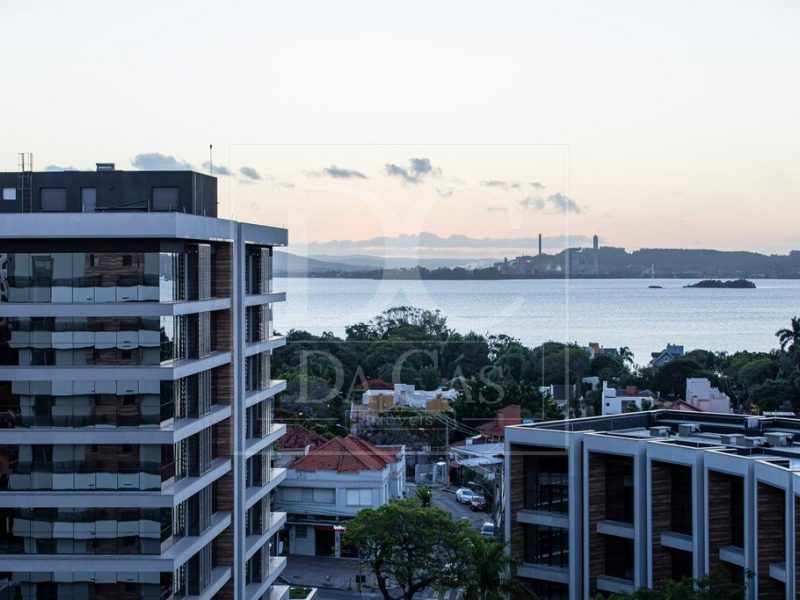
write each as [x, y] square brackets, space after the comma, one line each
[446, 500]
[328, 594]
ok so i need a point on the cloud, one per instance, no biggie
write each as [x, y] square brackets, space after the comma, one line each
[445, 192]
[155, 161]
[556, 203]
[417, 170]
[497, 208]
[59, 168]
[250, 173]
[563, 204]
[218, 170]
[335, 172]
[503, 185]
[532, 203]
[432, 241]
[284, 185]
[537, 186]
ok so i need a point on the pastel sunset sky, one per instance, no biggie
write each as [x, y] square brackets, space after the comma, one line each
[362, 124]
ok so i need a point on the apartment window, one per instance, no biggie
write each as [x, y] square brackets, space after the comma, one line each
[301, 532]
[9, 193]
[681, 500]
[359, 497]
[54, 199]
[88, 199]
[546, 546]
[323, 496]
[292, 494]
[681, 564]
[546, 482]
[737, 512]
[619, 557]
[619, 489]
[165, 199]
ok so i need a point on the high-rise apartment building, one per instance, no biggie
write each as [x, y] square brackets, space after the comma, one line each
[136, 426]
[610, 504]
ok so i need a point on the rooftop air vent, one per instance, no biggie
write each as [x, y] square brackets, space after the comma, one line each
[687, 429]
[659, 432]
[105, 166]
[777, 439]
[754, 442]
[733, 439]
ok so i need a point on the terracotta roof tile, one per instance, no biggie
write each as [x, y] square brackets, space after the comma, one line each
[345, 455]
[297, 436]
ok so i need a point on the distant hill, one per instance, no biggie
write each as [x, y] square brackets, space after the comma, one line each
[286, 263]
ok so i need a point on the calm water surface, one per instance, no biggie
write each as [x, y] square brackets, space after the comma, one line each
[614, 312]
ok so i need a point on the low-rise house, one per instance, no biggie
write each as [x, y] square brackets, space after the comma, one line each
[621, 400]
[374, 401]
[596, 350]
[493, 431]
[560, 393]
[665, 356]
[330, 485]
[704, 397]
[296, 443]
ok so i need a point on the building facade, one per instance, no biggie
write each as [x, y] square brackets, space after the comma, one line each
[610, 504]
[330, 485]
[136, 425]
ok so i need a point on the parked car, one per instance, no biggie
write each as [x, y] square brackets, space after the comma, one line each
[477, 503]
[487, 529]
[464, 495]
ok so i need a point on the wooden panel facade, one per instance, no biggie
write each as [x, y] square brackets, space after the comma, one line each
[771, 517]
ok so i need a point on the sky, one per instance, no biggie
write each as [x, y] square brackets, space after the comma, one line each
[432, 128]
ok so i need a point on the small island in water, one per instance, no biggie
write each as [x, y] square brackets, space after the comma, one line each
[734, 284]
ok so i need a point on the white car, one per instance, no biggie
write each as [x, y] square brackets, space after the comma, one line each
[464, 495]
[487, 529]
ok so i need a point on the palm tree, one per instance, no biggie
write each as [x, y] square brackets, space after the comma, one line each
[626, 355]
[491, 572]
[790, 337]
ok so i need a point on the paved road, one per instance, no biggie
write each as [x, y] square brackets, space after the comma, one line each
[325, 594]
[446, 500]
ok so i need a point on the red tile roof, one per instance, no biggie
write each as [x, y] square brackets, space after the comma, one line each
[297, 436]
[345, 455]
[509, 415]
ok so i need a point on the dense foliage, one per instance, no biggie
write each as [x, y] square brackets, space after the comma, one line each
[714, 586]
[412, 345]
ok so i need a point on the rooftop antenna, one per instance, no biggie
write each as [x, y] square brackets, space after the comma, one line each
[211, 159]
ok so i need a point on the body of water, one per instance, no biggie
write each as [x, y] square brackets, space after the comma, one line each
[613, 312]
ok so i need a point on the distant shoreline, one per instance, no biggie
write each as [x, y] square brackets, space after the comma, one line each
[415, 276]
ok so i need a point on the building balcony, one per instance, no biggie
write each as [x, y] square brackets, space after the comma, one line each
[112, 308]
[276, 386]
[168, 561]
[616, 528]
[544, 573]
[255, 493]
[275, 341]
[733, 555]
[255, 591]
[615, 585]
[253, 543]
[167, 371]
[677, 541]
[219, 577]
[279, 592]
[778, 571]
[171, 434]
[255, 445]
[168, 497]
[260, 299]
[541, 517]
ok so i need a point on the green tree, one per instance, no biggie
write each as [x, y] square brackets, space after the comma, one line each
[490, 572]
[425, 495]
[714, 586]
[670, 379]
[789, 339]
[411, 546]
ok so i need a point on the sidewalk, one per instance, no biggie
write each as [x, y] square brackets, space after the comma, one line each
[323, 572]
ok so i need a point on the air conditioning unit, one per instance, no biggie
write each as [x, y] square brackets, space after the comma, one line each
[755, 442]
[659, 432]
[778, 439]
[687, 429]
[733, 439]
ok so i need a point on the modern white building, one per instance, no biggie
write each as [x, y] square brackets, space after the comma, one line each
[135, 390]
[330, 485]
[610, 504]
[701, 395]
[403, 395]
[620, 400]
